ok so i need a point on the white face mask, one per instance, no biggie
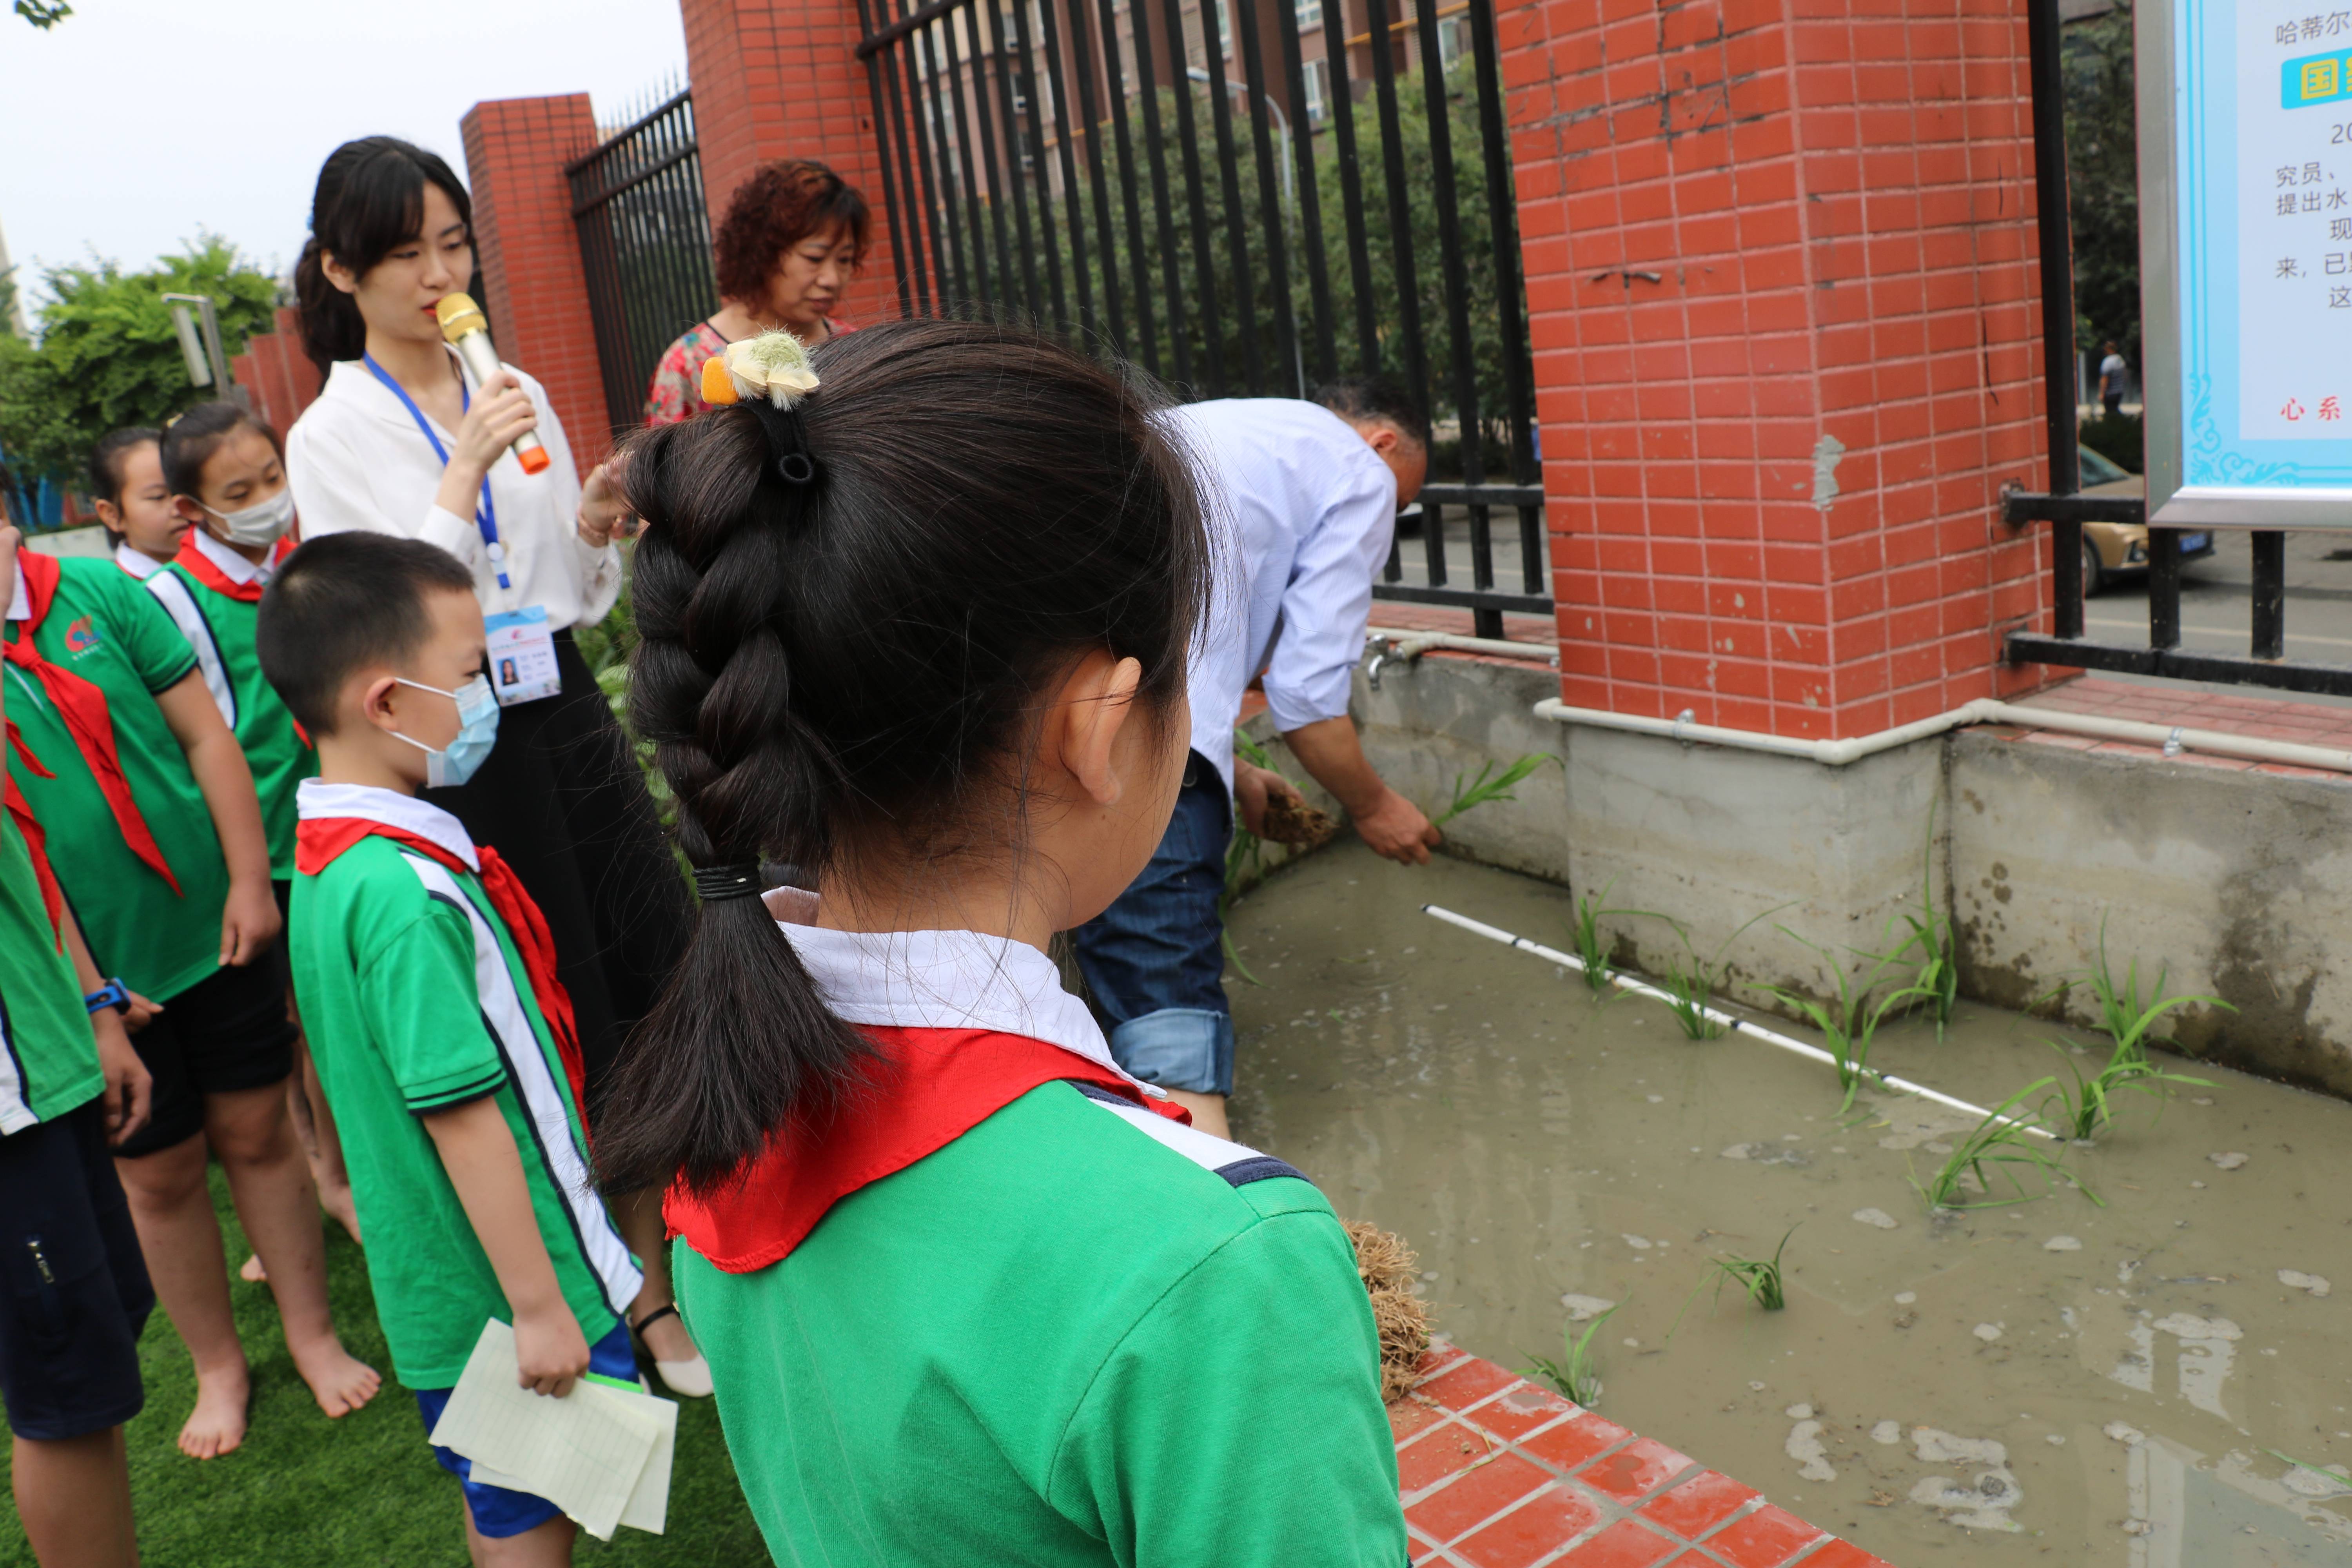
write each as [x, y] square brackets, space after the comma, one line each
[262, 523]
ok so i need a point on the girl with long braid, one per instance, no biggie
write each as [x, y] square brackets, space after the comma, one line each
[915, 616]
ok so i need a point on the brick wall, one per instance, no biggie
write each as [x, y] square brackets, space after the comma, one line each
[778, 79]
[1836, 199]
[533, 288]
[276, 374]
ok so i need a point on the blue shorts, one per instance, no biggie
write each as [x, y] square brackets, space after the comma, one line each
[1154, 961]
[74, 1294]
[497, 1512]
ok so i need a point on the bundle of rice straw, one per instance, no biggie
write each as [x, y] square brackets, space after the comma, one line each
[1385, 1263]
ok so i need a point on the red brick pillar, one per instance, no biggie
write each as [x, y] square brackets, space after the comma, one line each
[533, 287]
[276, 374]
[1780, 266]
[781, 78]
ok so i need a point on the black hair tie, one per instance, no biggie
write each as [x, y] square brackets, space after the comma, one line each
[787, 442]
[719, 883]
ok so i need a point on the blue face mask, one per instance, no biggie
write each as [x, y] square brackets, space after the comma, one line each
[478, 732]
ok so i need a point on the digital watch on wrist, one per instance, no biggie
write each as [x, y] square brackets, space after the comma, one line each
[114, 993]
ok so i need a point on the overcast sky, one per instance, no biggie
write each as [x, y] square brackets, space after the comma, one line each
[132, 124]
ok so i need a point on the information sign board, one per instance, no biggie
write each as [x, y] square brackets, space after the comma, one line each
[2246, 261]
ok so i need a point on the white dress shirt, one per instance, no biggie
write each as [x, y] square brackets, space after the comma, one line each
[1301, 511]
[356, 460]
[138, 563]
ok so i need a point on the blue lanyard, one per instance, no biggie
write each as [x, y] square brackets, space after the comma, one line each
[485, 516]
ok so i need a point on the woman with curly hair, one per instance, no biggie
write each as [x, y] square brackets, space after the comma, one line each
[793, 235]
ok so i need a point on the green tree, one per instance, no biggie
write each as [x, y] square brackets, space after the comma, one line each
[43, 14]
[2102, 179]
[107, 355]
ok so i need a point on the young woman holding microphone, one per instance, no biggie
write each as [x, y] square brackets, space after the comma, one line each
[405, 440]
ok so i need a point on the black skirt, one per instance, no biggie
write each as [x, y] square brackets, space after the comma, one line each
[559, 798]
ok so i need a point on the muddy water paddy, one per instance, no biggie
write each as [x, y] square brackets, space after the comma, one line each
[2054, 1382]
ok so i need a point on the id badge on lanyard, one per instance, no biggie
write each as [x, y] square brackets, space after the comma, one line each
[522, 646]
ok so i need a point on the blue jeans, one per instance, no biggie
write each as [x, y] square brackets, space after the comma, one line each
[1155, 960]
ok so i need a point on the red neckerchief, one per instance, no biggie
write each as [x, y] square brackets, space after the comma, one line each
[193, 559]
[319, 839]
[35, 840]
[82, 706]
[929, 1089]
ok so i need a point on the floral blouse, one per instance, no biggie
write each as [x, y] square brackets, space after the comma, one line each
[677, 390]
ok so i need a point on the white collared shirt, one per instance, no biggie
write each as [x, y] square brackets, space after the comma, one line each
[357, 461]
[233, 566]
[314, 798]
[947, 980]
[1301, 510]
[138, 563]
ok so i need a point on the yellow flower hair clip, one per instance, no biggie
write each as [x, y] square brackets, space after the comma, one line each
[773, 365]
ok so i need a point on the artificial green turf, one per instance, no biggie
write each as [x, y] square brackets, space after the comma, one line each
[363, 1491]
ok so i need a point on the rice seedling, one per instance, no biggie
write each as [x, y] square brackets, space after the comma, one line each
[1851, 1025]
[1936, 972]
[2001, 1142]
[1691, 986]
[1759, 1279]
[2125, 1019]
[2336, 1477]
[1591, 948]
[1489, 785]
[1577, 1374]
[2089, 1106]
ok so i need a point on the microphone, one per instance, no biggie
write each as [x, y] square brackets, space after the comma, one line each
[468, 332]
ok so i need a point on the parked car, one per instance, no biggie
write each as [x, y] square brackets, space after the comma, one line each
[2110, 549]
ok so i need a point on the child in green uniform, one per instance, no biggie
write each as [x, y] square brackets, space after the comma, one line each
[73, 1293]
[134, 504]
[428, 980]
[228, 479]
[969, 1292]
[158, 839]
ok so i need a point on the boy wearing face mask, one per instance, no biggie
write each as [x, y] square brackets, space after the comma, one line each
[157, 837]
[430, 980]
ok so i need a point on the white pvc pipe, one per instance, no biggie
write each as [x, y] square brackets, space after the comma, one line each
[1409, 646]
[1982, 710]
[1722, 1019]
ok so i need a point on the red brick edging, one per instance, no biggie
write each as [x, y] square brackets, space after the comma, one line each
[1498, 1473]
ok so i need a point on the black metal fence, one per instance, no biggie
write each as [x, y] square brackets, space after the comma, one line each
[644, 241]
[2264, 663]
[1247, 198]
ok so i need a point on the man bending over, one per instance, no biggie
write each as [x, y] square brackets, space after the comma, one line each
[1302, 498]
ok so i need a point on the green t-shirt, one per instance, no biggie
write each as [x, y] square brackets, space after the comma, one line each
[1058, 1341]
[415, 1002]
[220, 629]
[49, 1064]
[104, 627]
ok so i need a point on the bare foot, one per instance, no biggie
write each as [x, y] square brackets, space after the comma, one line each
[337, 1202]
[216, 1426]
[253, 1273]
[339, 1383]
[668, 1339]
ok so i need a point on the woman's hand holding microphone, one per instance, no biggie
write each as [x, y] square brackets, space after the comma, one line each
[501, 413]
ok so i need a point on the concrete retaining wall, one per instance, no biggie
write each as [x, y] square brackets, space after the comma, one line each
[2233, 881]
